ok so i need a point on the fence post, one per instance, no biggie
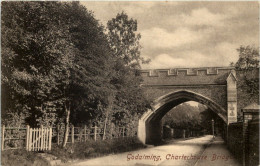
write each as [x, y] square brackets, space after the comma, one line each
[58, 134]
[95, 133]
[47, 138]
[85, 133]
[27, 136]
[41, 130]
[37, 132]
[172, 131]
[33, 138]
[3, 137]
[43, 138]
[80, 134]
[123, 131]
[30, 139]
[50, 138]
[72, 134]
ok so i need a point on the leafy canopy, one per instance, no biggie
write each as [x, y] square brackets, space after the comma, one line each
[57, 58]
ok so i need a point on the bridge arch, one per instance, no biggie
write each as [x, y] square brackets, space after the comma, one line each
[150, 127]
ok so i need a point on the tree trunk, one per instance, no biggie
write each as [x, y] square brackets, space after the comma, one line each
[66, 133]
[109, 109]
[105, 126]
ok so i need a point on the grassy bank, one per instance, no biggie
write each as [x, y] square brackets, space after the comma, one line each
[91, 148]
[21, 157]
[83, 150]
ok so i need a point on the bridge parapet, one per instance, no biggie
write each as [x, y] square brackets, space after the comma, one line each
[187, 71]
[204, 75]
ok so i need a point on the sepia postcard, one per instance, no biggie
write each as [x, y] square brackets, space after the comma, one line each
[130, 83]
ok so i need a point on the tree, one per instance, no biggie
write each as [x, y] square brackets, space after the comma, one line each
[124, 40]
[248, 64]
[36, 55]
[247, 69]
[248, 58]
[90, 89]
[128, 98]
[56, 58]
[58, 66]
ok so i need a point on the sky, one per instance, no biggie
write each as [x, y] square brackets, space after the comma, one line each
[187, 34]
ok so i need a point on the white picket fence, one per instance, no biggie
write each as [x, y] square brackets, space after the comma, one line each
[38, 139]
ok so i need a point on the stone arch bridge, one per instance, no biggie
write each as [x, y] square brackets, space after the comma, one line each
[214, 87]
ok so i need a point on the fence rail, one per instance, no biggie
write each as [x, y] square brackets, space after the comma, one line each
[82, 134]
[13, 137]
[39, 139]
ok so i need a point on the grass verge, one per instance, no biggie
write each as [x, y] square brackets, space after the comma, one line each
[91, 148]
[21, 157]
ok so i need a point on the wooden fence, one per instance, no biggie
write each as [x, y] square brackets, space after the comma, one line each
[13, 138]
[82, 134]
[33, 139]
[39, 139]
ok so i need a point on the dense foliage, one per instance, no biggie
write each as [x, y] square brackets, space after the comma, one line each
[124, 42]
[247, 69]
[186, 116]
[59, 66]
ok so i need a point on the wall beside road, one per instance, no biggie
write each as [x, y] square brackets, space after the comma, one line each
[243, 137]
[252, 157]
[235, 140]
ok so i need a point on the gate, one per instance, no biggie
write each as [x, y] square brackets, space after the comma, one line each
[38, 139]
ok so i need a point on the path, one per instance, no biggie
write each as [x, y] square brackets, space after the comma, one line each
[181, 153]
[219, 155]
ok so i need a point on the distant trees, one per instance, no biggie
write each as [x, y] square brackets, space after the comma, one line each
[59, 66]
[184, 116]
[206, 120]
